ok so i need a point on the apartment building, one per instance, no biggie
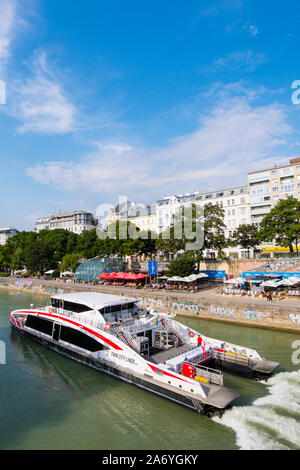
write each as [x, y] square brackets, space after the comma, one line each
[6, 233]
[234, 201]
[267, 187]
[76, 222]
[141, 215]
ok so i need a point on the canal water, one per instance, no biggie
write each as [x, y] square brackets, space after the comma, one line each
[51, 402]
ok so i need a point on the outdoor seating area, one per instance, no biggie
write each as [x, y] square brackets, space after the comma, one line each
[190, 283]
[268, 286]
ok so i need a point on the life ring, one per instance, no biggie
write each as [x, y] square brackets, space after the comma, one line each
[50, 310]
[107, 326]
[191, 334]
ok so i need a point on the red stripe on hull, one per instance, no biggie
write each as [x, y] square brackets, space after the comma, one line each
[98, 335]
[167, 373]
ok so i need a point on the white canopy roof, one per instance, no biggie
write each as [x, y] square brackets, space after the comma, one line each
[191, 278]
[94, 300]
[236, 280]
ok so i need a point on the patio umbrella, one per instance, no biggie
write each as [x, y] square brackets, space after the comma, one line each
[290, 281]
[142, 276]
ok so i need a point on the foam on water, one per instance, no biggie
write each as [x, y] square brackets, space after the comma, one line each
[273, 421]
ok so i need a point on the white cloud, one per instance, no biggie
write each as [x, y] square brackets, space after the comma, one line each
[247, 60]
[41, 103]
[7, 23]
[234, 138]
[252, 29]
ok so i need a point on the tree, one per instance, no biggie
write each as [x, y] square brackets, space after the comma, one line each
[16, 247]
[282, 224]
[183, 266]
[60, 242]
[70, 262]
[192, 223]
[214, 228]
[38, 257]
[246, 236]
[88, 244]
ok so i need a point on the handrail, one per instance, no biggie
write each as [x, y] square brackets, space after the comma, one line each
[227, 356]
[124, 335]
[166, 322]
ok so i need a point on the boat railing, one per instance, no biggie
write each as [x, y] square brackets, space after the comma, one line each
[232, 357]
[95, 322]
[169, 324]
[124, 335]
[211, 375]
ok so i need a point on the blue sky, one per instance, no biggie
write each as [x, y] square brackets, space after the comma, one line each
[142, 99]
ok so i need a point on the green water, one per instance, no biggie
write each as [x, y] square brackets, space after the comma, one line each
[51, 402]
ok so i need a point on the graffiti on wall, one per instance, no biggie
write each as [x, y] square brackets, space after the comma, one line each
[294, 317]
[222, 312]
[154, 303]
[253, 315]
[185, 307]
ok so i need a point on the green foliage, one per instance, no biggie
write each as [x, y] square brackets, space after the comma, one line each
[38, 257]
[55, 274]
[183, 266]
[282, 224]
[189, 226]
[246, 236]
[70, 262]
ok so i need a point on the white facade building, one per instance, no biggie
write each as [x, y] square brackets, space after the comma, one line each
[6, 233]
[76, 222]
[234, 201]
[141, 215]
[267, 187]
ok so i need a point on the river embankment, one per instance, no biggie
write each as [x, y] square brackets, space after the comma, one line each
[281, 315]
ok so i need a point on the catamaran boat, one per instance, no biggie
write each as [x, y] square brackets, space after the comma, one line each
[142, 347]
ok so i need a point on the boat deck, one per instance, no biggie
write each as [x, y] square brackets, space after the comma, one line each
[265, 367]
[220, 397]
[163, 356]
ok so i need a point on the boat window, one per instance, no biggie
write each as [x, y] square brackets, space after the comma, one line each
[72, 306]
[72, 336]
[39, 324]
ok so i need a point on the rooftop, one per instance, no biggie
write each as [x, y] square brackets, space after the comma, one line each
[292, 162]
[94, 300]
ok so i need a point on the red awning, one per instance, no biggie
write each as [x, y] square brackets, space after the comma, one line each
[124, 276]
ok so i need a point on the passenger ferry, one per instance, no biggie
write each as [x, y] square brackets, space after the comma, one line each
[142, 347]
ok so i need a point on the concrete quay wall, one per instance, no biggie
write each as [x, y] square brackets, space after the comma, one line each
[279, 315]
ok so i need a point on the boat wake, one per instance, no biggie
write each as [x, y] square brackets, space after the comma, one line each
[271, 422]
